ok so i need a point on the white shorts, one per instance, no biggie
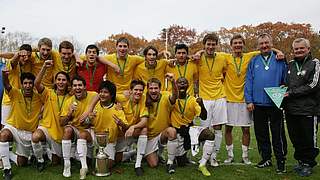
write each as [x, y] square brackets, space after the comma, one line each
[238, 115]
[216, 112]
[22, 139]
[55, 147]
[5, 112]
[153, 144]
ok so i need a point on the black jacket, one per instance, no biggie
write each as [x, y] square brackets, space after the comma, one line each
[303, 88]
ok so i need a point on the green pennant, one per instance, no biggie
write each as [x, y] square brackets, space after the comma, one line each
[276, 94]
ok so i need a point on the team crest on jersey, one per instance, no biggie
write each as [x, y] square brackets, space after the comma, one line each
[303, 72]
[256, 66]
[289, 72]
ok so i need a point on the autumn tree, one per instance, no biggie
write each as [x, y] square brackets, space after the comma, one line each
[136, 44]
[283, 35]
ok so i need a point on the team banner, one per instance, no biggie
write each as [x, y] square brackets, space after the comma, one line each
[276, 94]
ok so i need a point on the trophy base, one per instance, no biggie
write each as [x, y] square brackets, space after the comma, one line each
[102, 174]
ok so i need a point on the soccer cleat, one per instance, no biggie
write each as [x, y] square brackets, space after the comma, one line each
[264, 163]
[297, 167]
[204, 170]
[281, 167]
[7, 174]
[66, 171]
[40, 166]
[246, 161]
[305, 171]
[139, 171]
[229, 160]
[171, 169]
[214, 163]
[83, 173]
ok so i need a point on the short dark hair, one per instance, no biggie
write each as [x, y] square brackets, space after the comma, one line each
[122, 39]
[66, 45]
[137, 82]
[181, 46]
[45, 41]
[154, 80]
[145, 51]
[27, 75]
[92, 46]
[210, 36]
[237, 36]
[26, 47]
[111, 88]
[79, 78]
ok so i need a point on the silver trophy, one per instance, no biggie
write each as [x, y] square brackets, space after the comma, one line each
[102, 168]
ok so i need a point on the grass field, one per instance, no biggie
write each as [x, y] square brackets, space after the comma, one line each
[236, 171]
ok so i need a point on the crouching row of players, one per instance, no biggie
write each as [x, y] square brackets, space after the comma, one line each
[150, 120]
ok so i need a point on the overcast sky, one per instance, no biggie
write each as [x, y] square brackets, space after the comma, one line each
[94, 20]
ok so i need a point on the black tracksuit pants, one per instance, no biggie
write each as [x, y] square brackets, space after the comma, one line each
[303, 135]
[263, 117]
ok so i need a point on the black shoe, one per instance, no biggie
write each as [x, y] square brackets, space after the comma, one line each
[171, 168]
[264, 163]
[297, 168]
[182, 160]
[161, 160]
[139, 171]
[40, 166]
[305, 171]
[281, 168]
[7, 174]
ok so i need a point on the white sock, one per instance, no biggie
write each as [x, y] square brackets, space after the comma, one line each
[128, 154]
[4, 153]
[66, 152]
[141, 149]
[82, 151]
[244, 151]
[207, 151]
[230, 150]
[172, 150]
[38, 151]
[13, 157]
[217, 143]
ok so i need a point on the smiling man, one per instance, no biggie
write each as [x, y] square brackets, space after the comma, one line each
[126, 63]
[74, 129]
[22, 121]
[265, 71]
[302, 106]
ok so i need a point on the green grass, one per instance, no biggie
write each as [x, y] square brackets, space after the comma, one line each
[190, 172]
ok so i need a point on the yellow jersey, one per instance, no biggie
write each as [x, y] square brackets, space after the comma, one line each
[82, 106]
[51, 112]
[211, 76]
[235, 76]
[104, 121]
[25, 112]
[159, 115]
[127, 68]
[184, 111]
[143, 73]
[189, 71]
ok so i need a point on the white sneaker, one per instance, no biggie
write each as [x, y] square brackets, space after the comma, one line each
[214, 163]
[83, 173]
[66, 171]
[229, 160]
[246, 161]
